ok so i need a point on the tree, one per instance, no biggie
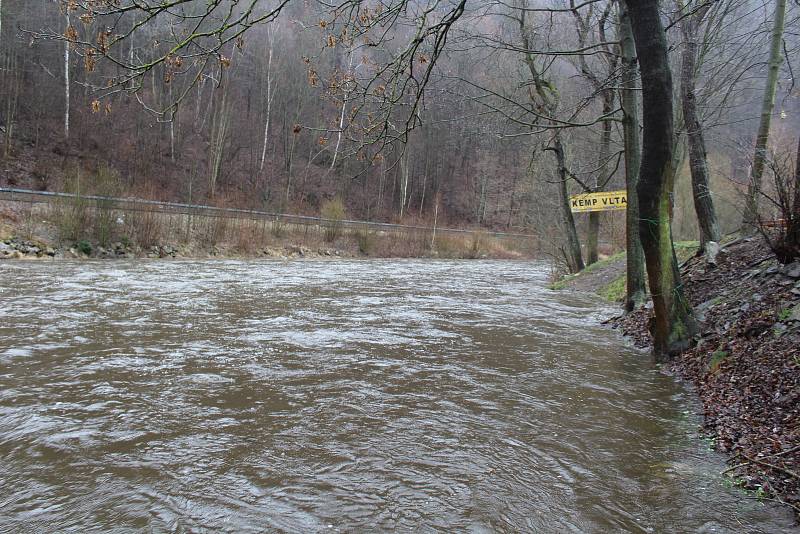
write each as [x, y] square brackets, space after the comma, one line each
[544, 96]
[674, 324]
[270, 95]
[698, 165]
[767, 106]
[603, 88]
[636, 291]
[70, 32]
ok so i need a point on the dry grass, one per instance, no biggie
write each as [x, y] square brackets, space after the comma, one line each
[77, 219]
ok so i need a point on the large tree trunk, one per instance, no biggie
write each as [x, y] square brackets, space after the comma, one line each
[674, 324]
[767, 106]
[703, 203]
[572, 253]
[636, 293]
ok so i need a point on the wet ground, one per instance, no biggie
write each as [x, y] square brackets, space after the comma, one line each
[341, 396]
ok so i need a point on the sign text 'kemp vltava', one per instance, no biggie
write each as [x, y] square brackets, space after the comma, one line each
[603, 201]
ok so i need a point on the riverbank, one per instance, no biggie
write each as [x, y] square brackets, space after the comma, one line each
[745, 363]
[81, 230]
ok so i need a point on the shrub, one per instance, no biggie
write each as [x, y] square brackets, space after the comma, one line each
[366, 241]
[84, 247]
[334, 212]
[219, 230]
[783, 235]
[106, 184]
[145, 228]
[278, 228]
[41, 176]
[71, 214]
[248, 237]
[476, 245]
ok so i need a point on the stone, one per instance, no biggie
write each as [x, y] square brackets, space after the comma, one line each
[792, 270]
[712, 251]
[50, 251]
[795, 315]
[701, 310]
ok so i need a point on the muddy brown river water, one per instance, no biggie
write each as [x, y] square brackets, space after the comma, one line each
[347, 396]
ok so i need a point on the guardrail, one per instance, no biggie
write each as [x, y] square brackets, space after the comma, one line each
[175, 208]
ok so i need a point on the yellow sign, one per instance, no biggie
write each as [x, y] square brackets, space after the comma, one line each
[603, 201]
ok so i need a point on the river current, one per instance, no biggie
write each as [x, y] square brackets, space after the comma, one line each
[340, 396]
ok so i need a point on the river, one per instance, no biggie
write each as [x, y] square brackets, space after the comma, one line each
[339, 396]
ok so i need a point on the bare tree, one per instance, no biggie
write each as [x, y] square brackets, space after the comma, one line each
[602, 87]
[220, 129]
[544, 95]
[270, 94]
[70, 32]
[703, 202]
[767, 107]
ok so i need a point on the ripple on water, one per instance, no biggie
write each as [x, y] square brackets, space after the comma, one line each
[338, 396]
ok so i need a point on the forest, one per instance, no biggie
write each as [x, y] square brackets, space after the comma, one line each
[482, 114]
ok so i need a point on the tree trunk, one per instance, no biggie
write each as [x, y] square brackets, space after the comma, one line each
[703, 203]
[173, 114]
[573, 251]
[602, 178]
[404, 172]
[674, 324]
[636, 293]
[220, 126]
[382, 179]
[67, 45]
[345, 94]
[270, 96]
[767, 105]
[424, 185]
